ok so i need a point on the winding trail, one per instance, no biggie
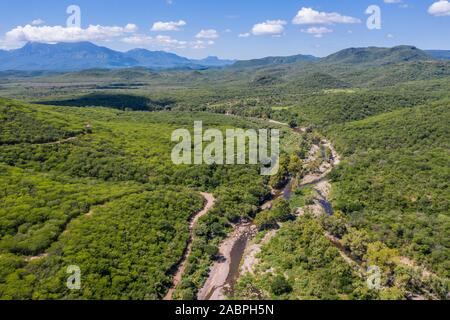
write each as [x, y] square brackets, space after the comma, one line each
[89, 214]
[57, 142]
[181, 266]
[278, 122]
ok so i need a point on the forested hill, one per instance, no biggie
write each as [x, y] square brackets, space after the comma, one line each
[97, 188]
[63, 57]
[272, 61]
[394, 183]
[359, 67]
[378, 56]
[81, 173]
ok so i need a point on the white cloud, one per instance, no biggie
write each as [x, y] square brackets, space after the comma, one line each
[37, 22]
[318, 32]
[168, 41]
[138, 40]
[440, 8]
[311, 16]
[270, 27]
[207, 34]
[128, 34]
[244, 35]
[400, 2]
[168, 26]
[159, 40]
[53, 34]
[390, 35]
[200, 44]
[131, 27]
[165, 42]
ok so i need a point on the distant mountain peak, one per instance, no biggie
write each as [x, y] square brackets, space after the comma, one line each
[378, 55]
[211, 58]
[273, 61]
[74, 56]
[213, 61]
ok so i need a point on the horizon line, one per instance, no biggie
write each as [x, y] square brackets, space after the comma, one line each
[214, 56]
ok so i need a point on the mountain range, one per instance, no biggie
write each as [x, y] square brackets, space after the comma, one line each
[378, 56]
[273, 61]
[85, 55]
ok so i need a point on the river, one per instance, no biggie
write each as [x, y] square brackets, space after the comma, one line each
[225, 272]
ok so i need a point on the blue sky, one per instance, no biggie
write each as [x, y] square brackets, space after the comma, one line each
[238, 29]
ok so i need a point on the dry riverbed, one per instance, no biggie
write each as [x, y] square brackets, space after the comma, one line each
[238, 253]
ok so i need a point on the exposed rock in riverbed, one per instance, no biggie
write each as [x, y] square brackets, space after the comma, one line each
[236, 248]
[219, 277]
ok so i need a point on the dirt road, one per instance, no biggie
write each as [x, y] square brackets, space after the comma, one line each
[210, 201]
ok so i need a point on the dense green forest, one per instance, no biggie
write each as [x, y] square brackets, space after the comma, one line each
[390, 196]
[90, 181]
[92, 195]
[395, 181]
[303, 258]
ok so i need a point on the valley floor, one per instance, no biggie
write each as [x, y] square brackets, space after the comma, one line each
[222, 277]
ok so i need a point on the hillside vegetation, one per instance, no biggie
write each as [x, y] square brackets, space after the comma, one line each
[108, 199]
[90, 181]
[395, 181]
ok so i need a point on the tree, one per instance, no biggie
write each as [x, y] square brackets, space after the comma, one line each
[295, 166]
[282, 177]
[280, 286]
[281, 210]
[393, 293]
[265, 220]
[335, 224]
[378, 254]
[293, 124]
[356, 241]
